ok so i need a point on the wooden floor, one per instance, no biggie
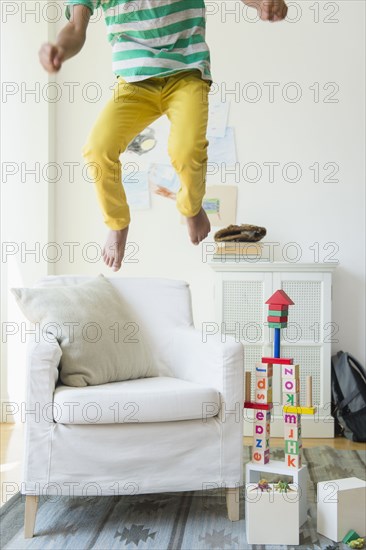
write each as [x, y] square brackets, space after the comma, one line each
[11, 453]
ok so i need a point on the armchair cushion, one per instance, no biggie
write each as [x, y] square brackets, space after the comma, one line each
[159, 399]
[101, 338]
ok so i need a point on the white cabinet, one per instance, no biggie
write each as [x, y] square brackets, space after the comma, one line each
[241, 290]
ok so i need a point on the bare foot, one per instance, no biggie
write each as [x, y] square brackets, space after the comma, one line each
[198, 227]
[114, 248]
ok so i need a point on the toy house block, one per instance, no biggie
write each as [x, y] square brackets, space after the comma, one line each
[272, 517]
[264, 369]
[292, 419]
[290, 385]
[293, 461]
[263, 383]
[278, 310]
[291, 399]
[280, 298]
[260, 456]
[299, 410]
[277, 319]
[258, 406]
[254, 472]
[290, 371]
[261, 430]
[277, 325]
[292, 433]
[277, 360]
[293, 447]
[263, 396]
[341, 507]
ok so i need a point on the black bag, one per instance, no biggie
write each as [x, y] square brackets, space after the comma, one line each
[349, 396]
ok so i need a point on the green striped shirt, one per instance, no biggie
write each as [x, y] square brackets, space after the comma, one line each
[154, 37]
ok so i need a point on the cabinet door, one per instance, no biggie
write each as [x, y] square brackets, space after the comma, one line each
[241, 313]
[308, 340]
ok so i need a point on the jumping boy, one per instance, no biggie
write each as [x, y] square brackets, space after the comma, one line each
[162, 64]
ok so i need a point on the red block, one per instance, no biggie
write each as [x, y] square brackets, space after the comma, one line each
[271, 319]
[261, 406]
[277, 361]
[279, 298]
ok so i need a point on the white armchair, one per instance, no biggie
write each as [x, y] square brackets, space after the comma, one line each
[180, 431]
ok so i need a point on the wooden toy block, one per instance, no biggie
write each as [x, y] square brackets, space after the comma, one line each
[262, 417]
[278, 310]
[278, 360]
[292, 432]
[272, 517]
[263, 396]
[264, 369]
[277, 325]
[291, 399]
[259, 406]
[292, 419]
[260, 444]
[292, 447]
[290, 385]
[290, 371]
[261, 430]
[299, 410]
[275, 319]
[293, 461]
[263, 383]
[280, 298]
[351, 535]
[260, 456]
[341, 507]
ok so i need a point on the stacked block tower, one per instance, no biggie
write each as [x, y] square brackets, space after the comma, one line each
[277, 319]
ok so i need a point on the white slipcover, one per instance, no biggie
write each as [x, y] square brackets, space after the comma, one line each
[156, 454]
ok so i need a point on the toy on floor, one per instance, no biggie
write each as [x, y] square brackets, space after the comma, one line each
[358, 543]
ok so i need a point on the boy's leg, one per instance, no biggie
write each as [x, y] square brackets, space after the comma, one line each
[185, 101]
[132, 107]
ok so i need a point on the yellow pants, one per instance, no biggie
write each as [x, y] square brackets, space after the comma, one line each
[183, 97]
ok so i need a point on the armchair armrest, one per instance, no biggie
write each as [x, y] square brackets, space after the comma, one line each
[42, 360]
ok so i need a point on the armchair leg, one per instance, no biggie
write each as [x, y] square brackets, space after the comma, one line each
[31, 504]
[232, 503]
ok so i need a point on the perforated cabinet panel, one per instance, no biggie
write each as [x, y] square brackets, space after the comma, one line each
[305, 315]
[243, 309]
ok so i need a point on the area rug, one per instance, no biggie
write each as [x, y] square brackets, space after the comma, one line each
[165, 521]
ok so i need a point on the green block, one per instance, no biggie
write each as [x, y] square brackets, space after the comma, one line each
[277, 325]
[278, 313]
[289, 447]
[351, 535]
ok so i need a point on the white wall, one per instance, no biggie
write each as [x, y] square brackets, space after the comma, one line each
[325, 125]
[27, 218]
[326, 129]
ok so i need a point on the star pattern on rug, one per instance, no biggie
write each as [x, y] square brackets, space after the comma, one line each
[218, 539]
[135, 534]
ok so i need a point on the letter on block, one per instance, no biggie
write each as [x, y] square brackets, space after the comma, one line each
[260, 443]
[290, 385]
[292, 447]
[262, 417]
[290, 371]
[263, 383]
[293, 461]
[292, 399]
[264, 369]
[293, 419]
[292, 432]
[260, 456]
[263, 396]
